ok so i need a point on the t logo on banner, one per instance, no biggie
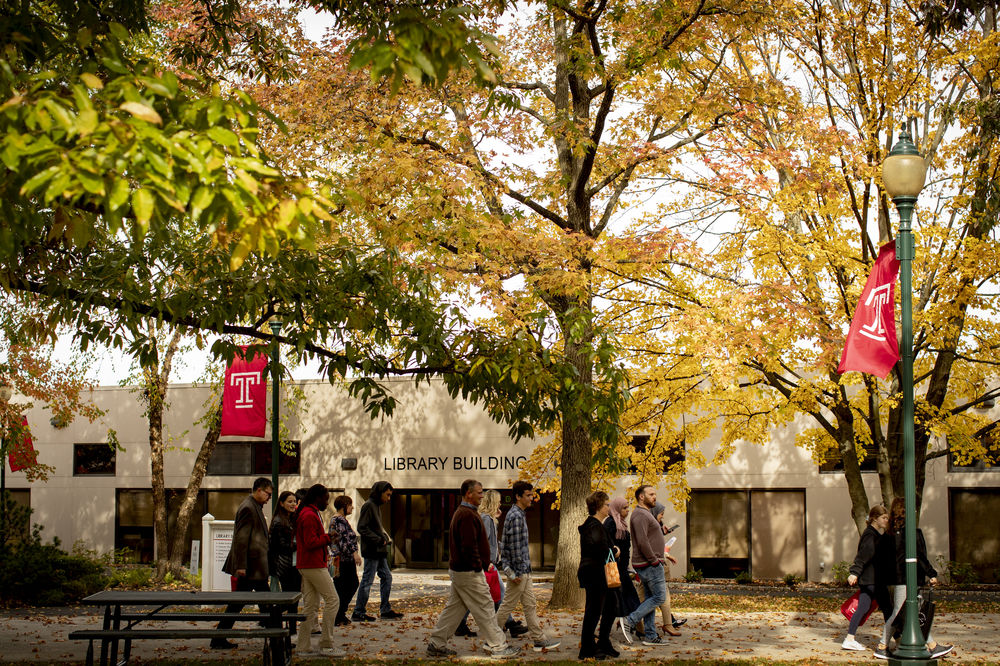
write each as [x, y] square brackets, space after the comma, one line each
[243, 382]
[244, 395]
[877, 299]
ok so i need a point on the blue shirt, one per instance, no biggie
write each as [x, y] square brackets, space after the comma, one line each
[515, 557]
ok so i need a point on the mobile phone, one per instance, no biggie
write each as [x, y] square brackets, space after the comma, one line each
[672, 528]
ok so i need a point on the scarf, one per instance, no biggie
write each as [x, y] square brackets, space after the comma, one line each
[617, 504]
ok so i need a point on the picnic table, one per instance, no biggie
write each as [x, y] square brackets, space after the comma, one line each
[125, 610]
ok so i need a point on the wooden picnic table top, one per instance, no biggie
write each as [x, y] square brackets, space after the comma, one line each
[188, 598]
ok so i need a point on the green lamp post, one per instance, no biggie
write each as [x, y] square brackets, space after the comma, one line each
[903, 174]
[275, 325]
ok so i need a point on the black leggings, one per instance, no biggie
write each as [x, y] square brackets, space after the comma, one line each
[867, 594]
[346, 583]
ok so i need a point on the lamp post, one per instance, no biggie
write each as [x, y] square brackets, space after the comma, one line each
[275, 325]
[6, 393]
[903, 174]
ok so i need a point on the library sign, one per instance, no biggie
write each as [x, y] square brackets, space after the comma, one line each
[452, 463]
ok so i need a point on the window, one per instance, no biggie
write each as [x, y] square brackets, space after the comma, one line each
[94, 460]
[973, 534]
[251, 458]
[18, 506]
[833, 464]
[674, 456]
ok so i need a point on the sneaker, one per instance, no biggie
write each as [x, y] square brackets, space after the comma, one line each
[333, 653]
[364, 617]
[390, 615]
[342, 621]
[881, 653]
[506, 652]
[222, 644]
[515, 629]
[626, 628]
[653, 641]
[941, 650]
[851, 644]
[545, 644]
[464, 630]
[435, 651]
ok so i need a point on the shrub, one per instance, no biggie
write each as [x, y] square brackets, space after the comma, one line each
[130, 577]
[961, 573]
[841, 570]
[791, 580]
[744, 578]
[694, 576]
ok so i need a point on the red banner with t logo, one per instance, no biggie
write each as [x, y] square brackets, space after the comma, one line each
[21, 452]
[871, 344]
[244, 395]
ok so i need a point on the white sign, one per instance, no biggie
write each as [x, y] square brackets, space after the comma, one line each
[217, 535]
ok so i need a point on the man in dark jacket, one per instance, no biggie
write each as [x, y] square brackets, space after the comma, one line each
[247, 558]
[375, 551]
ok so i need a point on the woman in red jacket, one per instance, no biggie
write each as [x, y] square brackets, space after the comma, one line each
[312, 545]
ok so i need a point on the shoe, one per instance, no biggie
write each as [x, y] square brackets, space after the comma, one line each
[221, 644]
[677, 623]
[506, 652]
[390, 615]
[317, 631]
[941, 650]
[435, 651]
[332, 652]
[881, 653]
[653, 641]
[627, 628]
[362, 618]
[852, 645]
[464, 630]
[608, 649]
[545, 644]
[342, 621]
[670, 631]
[515, 629]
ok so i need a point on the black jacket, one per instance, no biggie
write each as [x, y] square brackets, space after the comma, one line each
[624, 544]
[924, 568]
[864, 562]
[595, 546]
[374, 540]
[885, 560]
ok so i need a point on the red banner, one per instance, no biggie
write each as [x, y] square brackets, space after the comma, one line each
[871, 344]
[244, 396]
[21, 453]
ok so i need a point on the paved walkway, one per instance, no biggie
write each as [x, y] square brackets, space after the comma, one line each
[31, 636]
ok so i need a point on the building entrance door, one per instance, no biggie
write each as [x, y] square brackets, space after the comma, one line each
[420, 521]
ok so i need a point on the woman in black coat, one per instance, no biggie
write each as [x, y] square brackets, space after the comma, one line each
[616, 525]
[281, 543]
[595, 546]
[863, 574]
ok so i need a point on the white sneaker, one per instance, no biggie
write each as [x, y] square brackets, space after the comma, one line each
[851, 644]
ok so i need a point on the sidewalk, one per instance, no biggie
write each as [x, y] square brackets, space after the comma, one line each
[39, 635]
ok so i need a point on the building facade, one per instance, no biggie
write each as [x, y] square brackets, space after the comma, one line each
[770, 510]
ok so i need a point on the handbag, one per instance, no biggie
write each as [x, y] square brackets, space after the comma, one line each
[848, 607]
[611, 571]
[493, 580]
[925, 614]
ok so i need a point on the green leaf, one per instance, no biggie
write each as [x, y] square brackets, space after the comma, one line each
[119, 194]
[142, 206]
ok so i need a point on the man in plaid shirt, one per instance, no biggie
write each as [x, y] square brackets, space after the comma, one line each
[516, 562]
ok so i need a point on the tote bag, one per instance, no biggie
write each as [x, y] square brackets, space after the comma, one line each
[493, 580]
[611, 571]
[851, 605]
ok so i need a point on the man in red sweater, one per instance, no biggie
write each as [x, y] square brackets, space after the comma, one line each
[470, 554]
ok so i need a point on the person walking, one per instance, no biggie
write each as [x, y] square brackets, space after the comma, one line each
[248, 552]
[489, 512]
[862, 574]
[647, 560]
[616, 525]
[312, 547]
[346, 545]
[601, 605]
[669, 626]
[281, 548]
[375, 552]
[516, 563]
[925, 574]
[469, 552]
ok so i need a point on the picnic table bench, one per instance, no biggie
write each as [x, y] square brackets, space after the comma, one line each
[275, 624]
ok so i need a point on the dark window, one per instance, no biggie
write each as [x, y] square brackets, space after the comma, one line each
[250, 458]
[831, 462]
[640, 443]
[93, 459]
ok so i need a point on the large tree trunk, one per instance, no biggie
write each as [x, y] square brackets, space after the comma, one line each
[156, 394]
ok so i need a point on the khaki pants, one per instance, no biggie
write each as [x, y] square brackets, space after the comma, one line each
[469, 591]
[317, 583]
[523, 592]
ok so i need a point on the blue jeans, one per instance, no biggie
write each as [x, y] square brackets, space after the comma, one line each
[656, 593]
[378, 565]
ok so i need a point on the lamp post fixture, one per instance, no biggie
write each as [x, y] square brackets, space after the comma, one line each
[275, 325]
[903, 174]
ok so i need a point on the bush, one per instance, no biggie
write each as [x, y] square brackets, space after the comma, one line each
[43, 573]
[130, 577]
[791, 580]
[694, 576]
[841, 570]
[961, 573]
[744, 578]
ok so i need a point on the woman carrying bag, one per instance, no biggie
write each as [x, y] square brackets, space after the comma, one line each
[616, 525]
[596, 550]
[863, 574]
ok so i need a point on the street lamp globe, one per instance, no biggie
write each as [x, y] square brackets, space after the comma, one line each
[904, 170]
[6, 393]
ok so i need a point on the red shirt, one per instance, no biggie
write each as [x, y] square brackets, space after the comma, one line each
[311, 540]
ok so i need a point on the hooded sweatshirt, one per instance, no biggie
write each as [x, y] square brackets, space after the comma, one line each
[374, 540]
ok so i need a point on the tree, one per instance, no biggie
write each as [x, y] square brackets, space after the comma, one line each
[512, 195]
[792, 192]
